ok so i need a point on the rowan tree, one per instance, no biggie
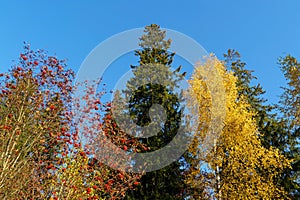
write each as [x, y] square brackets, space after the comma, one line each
[90, 168]
[42, 154]
[33, 96]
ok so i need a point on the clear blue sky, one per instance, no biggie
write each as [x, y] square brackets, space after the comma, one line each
[260, 30]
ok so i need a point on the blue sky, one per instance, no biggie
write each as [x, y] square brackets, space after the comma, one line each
[260, 30]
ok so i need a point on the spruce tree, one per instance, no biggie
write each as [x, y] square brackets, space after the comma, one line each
[154, 58]
[289, 106]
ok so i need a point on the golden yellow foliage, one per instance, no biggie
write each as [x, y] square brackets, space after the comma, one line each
[238, 166]
[75, 179]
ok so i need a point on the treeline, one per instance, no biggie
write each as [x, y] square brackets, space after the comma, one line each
[252, 153]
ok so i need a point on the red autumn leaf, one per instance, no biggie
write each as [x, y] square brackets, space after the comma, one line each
[23, 57]
[89, 190]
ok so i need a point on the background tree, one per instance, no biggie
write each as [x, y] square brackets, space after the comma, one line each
[289, 107]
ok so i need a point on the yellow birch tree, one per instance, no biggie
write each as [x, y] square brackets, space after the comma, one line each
[238, 166]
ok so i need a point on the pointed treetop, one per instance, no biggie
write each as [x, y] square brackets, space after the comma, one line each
[154, 38]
